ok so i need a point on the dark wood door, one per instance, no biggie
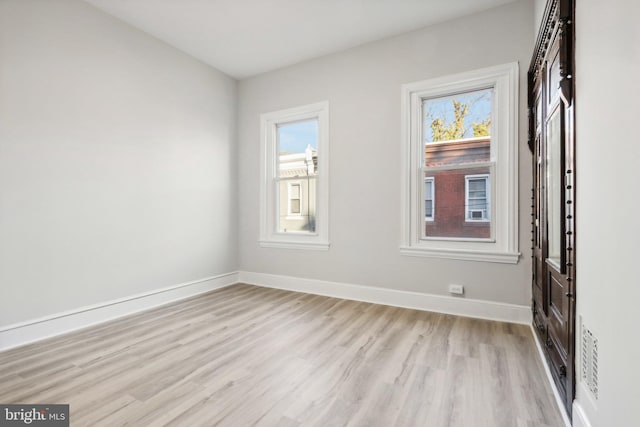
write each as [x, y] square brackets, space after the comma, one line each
[551, 140]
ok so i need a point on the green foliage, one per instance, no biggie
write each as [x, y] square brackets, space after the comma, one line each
[438, 129]
[456, 130]
[482, 128]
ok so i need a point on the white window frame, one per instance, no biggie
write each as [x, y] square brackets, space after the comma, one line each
[502, 247]
[431, 218]
[487, 185]
[270, 237]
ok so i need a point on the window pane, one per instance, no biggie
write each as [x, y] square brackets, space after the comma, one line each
[297, 144]
[428, 208]
[295, 206]
[478, 204]
[554, 196]
[455, 117]
[477, 185]
[295, 191]
[427, 189]
[428, 197]
[460, 213]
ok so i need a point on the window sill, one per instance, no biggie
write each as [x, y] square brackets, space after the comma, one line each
[462, 254]
[311, 246]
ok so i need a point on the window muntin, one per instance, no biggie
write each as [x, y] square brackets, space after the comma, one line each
[492, 152]
[477, 204]
[294, 184]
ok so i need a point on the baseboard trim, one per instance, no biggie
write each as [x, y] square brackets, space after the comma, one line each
[584, 404]
[556, 393]
[415, 300]
[19, 334]
[579, 416]
[23, 333]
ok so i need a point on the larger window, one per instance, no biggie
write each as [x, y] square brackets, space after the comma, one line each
[460, 168]
[294, 202]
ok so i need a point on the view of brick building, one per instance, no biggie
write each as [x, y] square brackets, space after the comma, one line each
[457, 194]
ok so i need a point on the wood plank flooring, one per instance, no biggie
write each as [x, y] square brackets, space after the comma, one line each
[246, 355]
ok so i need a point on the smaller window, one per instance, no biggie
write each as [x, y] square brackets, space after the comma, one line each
[294, 185]
[294, 199]
[477, 204]
[429, 199]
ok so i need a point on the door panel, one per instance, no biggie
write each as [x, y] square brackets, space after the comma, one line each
[558, 309]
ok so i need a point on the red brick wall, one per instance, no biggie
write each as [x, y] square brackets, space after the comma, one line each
[449, 219]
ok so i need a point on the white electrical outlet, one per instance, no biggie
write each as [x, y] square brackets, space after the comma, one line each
[456, 289]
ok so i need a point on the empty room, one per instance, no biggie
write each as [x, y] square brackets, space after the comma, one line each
[319, 213]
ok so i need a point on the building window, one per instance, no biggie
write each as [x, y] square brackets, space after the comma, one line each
[294, 199]
[477, 204]
[460, 138]
[429, 206]
[293, 190]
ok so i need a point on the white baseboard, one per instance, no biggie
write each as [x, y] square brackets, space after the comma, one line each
[415, 300]
[23, 333]
[579, 417]
[556, 394]
[19, 334]
[583, 405]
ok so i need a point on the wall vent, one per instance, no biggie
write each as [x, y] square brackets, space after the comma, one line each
[589, 359]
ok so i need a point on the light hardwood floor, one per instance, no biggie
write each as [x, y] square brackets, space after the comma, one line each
[246, 355]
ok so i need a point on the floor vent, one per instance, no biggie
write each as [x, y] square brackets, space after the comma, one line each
[589, 359]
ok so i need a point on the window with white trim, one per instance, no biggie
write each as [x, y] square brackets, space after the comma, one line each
[460, 133]
[293, 187]
[429, 199]
[477, 201]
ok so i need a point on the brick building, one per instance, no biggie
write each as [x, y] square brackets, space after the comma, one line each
[457, 188]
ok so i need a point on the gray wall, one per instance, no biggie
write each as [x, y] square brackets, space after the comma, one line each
[538, 11]
[362, 86]
[116, 161]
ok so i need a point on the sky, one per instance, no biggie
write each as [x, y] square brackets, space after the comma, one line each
[294, 137]
[479, 109]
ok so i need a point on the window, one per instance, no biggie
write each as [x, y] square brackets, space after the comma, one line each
[429, 207]
[294, 199]
[457, 140]
[293, 190]
[460, 139]
[477, 198]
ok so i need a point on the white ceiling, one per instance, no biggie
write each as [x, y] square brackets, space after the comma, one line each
[246, 37]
